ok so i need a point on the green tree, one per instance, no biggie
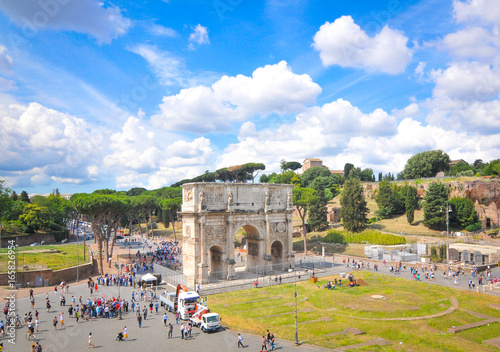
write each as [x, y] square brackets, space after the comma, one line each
[462, 212]
[317, 219]
[24, 197]
[435, 206]
[411, 203]
[492, 168]
[292, 165]
[354, 209]
[105, 212]
[170, 207]
[347, 170]
[14, 196]
[5, 200]
[426, 164]
[302, 200]
[35, 217]
[385, 198]
[135, 191]
[310, 174]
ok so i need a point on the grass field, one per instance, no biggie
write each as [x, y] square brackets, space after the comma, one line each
[322, 312]
[44, 257]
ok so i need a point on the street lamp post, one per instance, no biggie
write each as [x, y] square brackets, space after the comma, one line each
[448, 219]
[119, 285]
[292, 262]
[77, 248]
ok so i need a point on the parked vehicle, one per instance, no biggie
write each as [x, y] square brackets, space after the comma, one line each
[206, 322]
[184, 302]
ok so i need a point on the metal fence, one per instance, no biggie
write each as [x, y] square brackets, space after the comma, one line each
[268, 275]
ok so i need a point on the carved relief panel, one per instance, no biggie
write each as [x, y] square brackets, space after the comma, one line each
[188, 194]
[215, 234]
[253, 249]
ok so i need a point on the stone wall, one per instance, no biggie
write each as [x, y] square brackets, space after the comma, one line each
[26, 240]
[53, 277]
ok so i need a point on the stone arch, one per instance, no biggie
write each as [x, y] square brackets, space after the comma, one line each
[277, 254]
[478, 258]
[253, 241]
[212, 213]
[465, 256]
[217, 265]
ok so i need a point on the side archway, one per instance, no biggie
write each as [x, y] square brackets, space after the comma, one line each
[218, 268]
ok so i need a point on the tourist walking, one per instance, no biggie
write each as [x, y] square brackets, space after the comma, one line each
[240, 341]
[264, 343]
[170, 330]
[89, 343]
[139, 319]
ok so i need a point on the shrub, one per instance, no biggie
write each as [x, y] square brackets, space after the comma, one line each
[384, 212]
[367, 236]
[474, 227]
[466, 173]
[334, 236]
[61, 235]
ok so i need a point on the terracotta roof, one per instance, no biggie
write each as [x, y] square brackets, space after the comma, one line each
[312, 159]
[337, 172]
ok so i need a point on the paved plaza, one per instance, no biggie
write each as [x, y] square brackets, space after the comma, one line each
[152, 336]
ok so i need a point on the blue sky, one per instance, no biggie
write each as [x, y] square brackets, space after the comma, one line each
[145, 93]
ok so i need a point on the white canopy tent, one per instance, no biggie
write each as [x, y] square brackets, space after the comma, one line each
[148, 277]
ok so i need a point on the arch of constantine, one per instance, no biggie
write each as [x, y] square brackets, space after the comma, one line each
[212, 213]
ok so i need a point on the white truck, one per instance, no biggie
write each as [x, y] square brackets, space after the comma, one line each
[206, 322]
[184, 302]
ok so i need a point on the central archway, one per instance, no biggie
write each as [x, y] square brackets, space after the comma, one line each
[217, 268]
[251, 241]
[277, 255]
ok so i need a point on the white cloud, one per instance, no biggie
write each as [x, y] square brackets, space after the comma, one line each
[198, 36]
[467, 81]
[319, 131]
[196, 110]
[475, 116]
[483, 11]
[344, 43]
[6, 61]
[271, 89]
[472, 43]
[142, 157]
[133, 148]
[161, 31]
[167, 67]
[83, 16]
[45, 143]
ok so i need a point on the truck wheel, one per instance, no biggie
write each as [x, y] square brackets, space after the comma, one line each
[202, 329]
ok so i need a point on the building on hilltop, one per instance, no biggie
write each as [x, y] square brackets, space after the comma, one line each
[315, 162]
[311, 162]
[455, 162]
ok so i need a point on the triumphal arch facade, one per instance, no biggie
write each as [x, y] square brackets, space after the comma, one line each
[212, 213]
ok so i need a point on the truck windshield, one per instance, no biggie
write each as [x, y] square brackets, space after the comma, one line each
[212, 319]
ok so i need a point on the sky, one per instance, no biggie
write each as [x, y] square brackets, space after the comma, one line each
[144, 93]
